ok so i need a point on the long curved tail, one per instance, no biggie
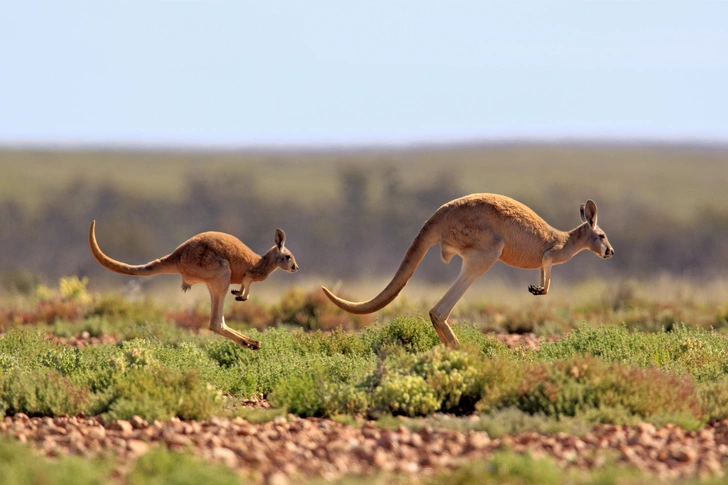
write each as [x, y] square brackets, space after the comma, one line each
[426, 238]
[163, 265]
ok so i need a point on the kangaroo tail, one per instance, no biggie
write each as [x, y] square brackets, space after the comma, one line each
[426, 238]
[163, 265]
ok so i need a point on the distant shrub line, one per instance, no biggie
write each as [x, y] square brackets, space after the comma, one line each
[71, 302]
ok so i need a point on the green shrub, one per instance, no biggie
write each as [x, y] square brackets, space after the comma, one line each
[409, 395]
[116, 307]
[346, 399]
[160, 393]
[451, 374]
[19, 465]
[313, 311]
[40, 393]
[714, 398]
[411, 334]
[701, 353]
[336, 341]
[582, 384]
[471, 336]
[162, 467]
[504, 467]
[301, 395]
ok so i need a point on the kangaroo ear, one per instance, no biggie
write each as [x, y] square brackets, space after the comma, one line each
[280, 238]
[581, 213]
[590, 213]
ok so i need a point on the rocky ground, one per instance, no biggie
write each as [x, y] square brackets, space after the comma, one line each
[287, 449]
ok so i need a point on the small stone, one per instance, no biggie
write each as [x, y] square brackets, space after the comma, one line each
[646, 428]
[137, 447]
[225, 455]
[416, 440]
[408, 467]
[138, 423]
[380, 458]
[280, 420]
[247, 430]
[96, 433]
[684, 455]
[219, 422]
[176, 440]
[277, 478]
[645, 440]
[122, 425]
[477, 441]
[663, 454]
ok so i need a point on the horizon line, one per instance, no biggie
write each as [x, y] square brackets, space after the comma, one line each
[372, 145]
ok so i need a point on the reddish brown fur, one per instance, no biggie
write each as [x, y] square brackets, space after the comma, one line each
[482, 229]
[216, 259]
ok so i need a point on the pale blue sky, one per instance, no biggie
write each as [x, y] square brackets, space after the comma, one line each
[236, 73]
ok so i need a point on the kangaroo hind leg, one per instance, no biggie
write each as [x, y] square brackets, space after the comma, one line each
[218, 289]
[475, 263]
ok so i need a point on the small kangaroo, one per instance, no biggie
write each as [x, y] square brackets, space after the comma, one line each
[482, 229]
[217, 260]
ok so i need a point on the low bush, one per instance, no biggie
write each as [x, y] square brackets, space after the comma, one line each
[602, 374]
[701, 353]
[585, 384]
[41, 393]
[19, 465]
[158, 393]
[162, 467]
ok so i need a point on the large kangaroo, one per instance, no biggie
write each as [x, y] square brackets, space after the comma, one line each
[482, 229]
[216, 259]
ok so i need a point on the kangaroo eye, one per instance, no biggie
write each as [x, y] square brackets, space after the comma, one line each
[601, 236]
[288, 258]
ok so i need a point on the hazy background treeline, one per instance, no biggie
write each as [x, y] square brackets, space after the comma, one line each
[351, 214]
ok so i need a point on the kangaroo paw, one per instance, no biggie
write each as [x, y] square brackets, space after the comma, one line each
[240, 298]
[253, 345]
[537, 290]
[235, 292]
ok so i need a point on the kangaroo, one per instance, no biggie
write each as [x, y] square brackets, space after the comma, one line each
[482, 229]
[217, 260]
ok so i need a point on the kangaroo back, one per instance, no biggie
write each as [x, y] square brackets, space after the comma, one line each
[158, 266]
[427, 237]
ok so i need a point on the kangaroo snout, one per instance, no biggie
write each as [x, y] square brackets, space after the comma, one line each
[608, 253]
[294, 268]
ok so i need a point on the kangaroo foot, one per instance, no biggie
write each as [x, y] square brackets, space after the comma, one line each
[237, 337]
[537, 290]
[241, 298]
[444, 332]
[236, 292]
[253, 345]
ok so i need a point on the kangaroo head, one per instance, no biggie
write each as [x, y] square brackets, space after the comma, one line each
[281, 255]
[595, 239]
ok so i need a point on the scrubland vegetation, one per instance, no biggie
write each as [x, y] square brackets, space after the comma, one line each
[622, 351]
[156, 369]
[620, 362]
